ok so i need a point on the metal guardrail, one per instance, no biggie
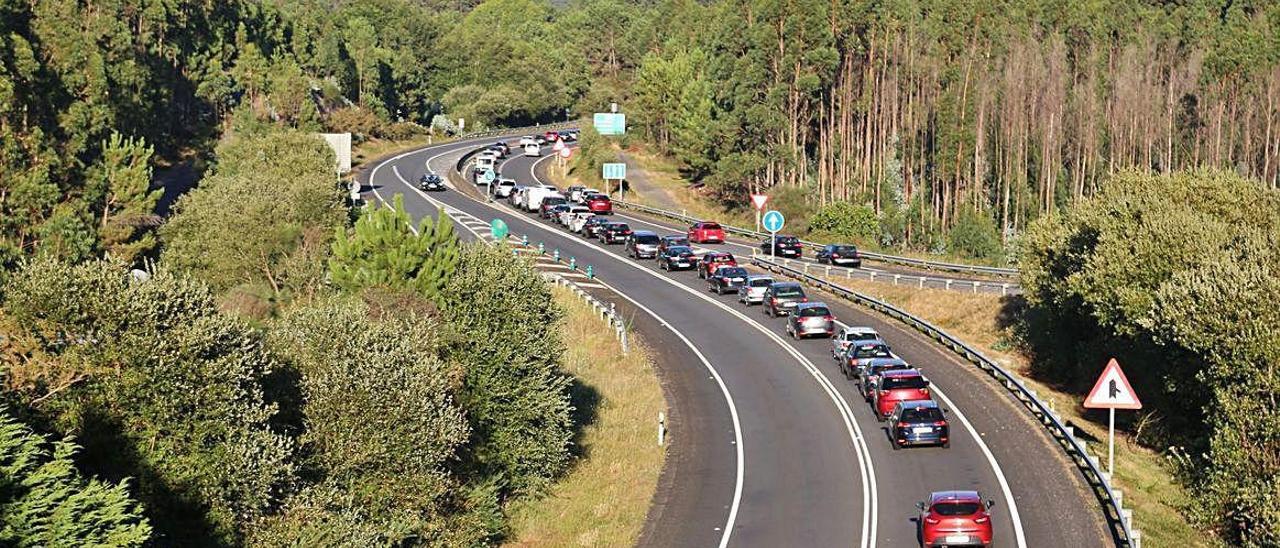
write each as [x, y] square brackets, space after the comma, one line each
[892, 259]
[1044, 412]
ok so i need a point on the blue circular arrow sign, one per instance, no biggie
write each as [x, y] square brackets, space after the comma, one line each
[773, 221]
[487, 176]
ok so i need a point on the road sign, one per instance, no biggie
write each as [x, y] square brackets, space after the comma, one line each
[487, 176]
[758, 200]
[609, 123]
[1112, 391]
[774, 221]
[341, 145]
[614, 171]
[558, 146]
[498, 229]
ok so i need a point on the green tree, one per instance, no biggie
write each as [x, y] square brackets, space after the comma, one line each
[844, 219]
[386, 251]
[121, 186]
[47, 502]
[507, 343]
[975, 234]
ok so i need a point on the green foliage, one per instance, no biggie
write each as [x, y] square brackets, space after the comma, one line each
[1174, 275]
[975, 234]
[121, 183]
[282, 185]
[846, 220]
[158, 386]
[509, 349]
[47, 502]
[386, 251]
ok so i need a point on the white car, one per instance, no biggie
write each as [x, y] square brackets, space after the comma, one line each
[533, 150]
[568, 214]
[527, 140]
[575, 193]
[851, 335]
[504, 187]
[575, 224]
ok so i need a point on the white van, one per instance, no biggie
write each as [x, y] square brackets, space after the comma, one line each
[485, 163]
[532, 149]
[534, 196]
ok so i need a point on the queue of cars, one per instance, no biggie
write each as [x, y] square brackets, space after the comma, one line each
[897, 392]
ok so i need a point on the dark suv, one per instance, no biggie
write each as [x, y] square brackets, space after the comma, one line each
[676, 257]
[839, 255]
[918, 422]
[781, 297]
[786, 246]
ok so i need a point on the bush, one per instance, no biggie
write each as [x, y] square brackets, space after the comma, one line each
[362, 123]
[846, 220]
[385, 252]
[1174, 276]
[46, 502]
[508, 344]
[975, 235]
[157, 385]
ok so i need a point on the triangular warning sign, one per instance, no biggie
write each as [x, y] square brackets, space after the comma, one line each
[759, 200]
[1112, 390]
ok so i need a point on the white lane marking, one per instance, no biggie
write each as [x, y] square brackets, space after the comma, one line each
[870, 491]
[991, 459]
[733, 409]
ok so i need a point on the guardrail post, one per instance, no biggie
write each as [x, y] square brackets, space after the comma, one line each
[975, 287]
[828, 271]
[542, 248]
[873, 275]
[948, 280]
[556, 255]
[662, 428]
[1004, 290]
[524, 240]
[591, 272]
[896, 277]
[1136, 541]
[922, 282]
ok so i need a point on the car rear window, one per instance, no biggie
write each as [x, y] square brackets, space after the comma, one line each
[677, 241]
[732, 272]
[789, 291]
[553, 201]
[679, 250]
[647, 239]
[922, 414]
[842, 249]
[710, 226]
[910, 382]
[621, 226]
[955, 508]
[763, 282]
[788, 239]
[722, 259]
[815, 311]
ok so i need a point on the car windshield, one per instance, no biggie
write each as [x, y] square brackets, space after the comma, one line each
[621, 227]
[647, 239]
[922, 414]
[914, 382]
[860, 336]
[761, 282]
[844, 249]
[678, 250]
[731, 272]
[814, 311]
[877, 351]
[956, 508]
[788, 291]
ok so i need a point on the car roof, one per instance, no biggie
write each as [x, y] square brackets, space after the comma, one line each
[785, 284]
[675, 237]
[711, 254]
[903, 373]
[888, 361]
[859, 329]
[919, 404]
[814, 304]
[955, 496]
[679, 247]
[644, 233]
[759, 277]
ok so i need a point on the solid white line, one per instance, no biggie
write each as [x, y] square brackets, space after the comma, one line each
[1018, 534]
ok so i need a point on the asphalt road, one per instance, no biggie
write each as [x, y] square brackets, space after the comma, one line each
[806, 463]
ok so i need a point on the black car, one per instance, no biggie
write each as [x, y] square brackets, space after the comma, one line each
[676, 257]
[568, 136]
[544, 210]
[839, 255]
[612, 233]
[431, 181]
[786, 246]
[672, 241]
[918, 422]
[727, 279]
[505, 148]
[500, 149]
[553, 213]
[591, 228]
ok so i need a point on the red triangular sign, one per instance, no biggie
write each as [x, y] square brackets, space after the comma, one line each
[759, 200]
[1112, 391]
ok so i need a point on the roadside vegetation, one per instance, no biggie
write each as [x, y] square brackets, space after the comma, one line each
[604, 498]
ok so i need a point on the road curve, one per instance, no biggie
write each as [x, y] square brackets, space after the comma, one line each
[818, 468]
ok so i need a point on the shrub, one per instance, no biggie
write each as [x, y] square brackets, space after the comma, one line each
[158, 386]
[384, 251]
[975, 234]
[846, 220]
[507, 342]
[46, 502]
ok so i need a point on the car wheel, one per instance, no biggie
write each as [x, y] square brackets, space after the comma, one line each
[946, 444]
[894, 443]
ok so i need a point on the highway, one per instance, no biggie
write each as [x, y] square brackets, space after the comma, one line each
[770, 445]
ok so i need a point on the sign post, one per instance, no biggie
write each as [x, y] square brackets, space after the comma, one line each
[1111, 392]
[773, 222]
[614, 171]
[758, 201]
[487, 177]
[558, 147]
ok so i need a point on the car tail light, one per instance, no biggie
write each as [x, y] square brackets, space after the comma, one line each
[804, 299]
[982, 519]
[903, 425]
[930, 520]
[829, 318]
[940, 423]
[924, 391]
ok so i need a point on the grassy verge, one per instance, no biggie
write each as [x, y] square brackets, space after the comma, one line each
[1143, 474]
[603, 500]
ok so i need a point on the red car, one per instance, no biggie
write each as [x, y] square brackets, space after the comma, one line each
[551, 136]
[600, 204]
[704, 232]
[955, 518]
[898, 385]
[713, 260]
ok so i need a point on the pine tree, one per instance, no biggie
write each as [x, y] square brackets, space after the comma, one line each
[386, 251]
[122, 178]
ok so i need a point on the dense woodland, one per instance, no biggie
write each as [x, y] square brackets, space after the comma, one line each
[924, 125]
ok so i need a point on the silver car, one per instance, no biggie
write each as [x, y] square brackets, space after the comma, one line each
[811, 319]
[752, 291]
[851, 335]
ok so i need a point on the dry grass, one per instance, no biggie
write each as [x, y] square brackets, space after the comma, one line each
[604, 499]
[376, 148]
[1144, 476]
[664, 174]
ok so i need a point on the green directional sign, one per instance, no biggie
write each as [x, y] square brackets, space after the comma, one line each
[613, 172]
[610, 123]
